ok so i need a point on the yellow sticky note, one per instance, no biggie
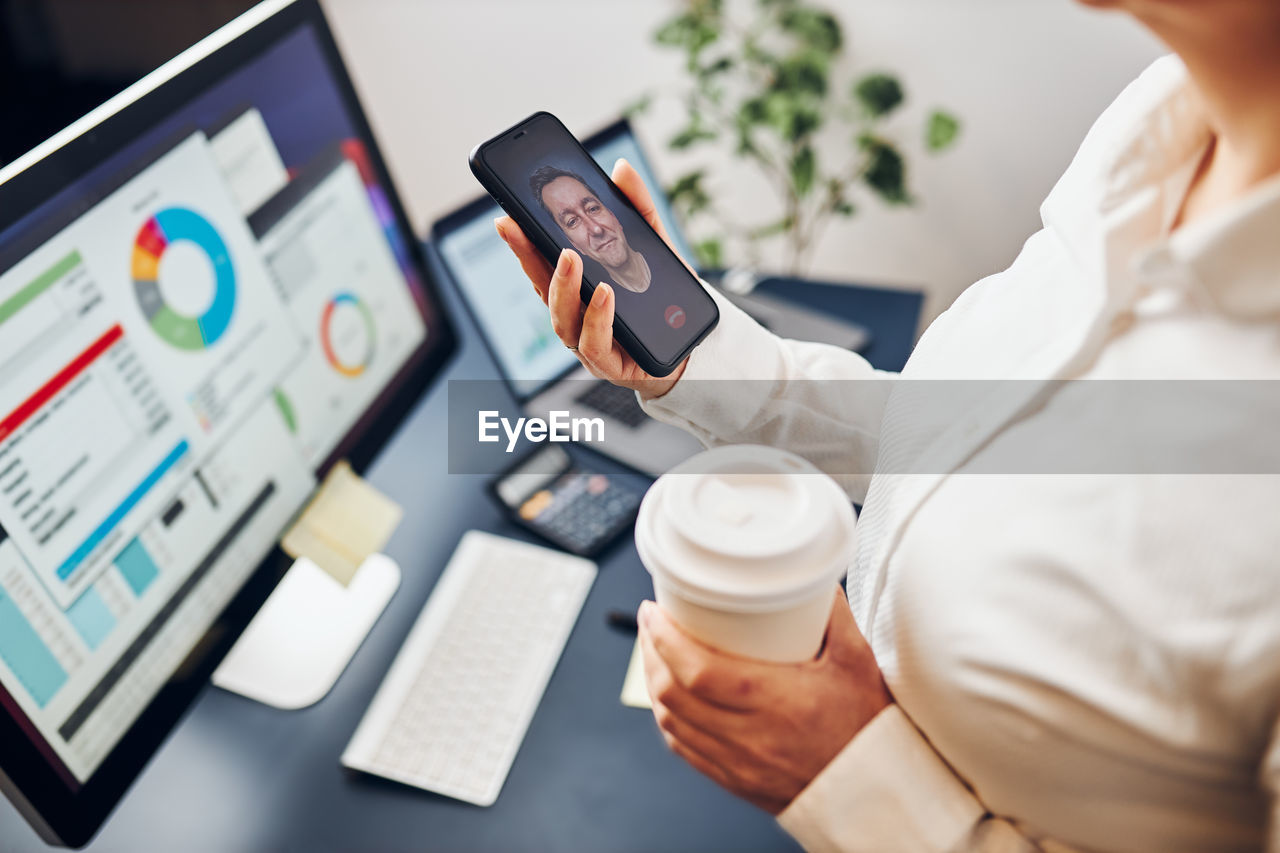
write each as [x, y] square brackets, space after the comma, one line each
[635, 694]
[345, 522]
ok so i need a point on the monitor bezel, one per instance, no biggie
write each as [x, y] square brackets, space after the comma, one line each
[59, 814]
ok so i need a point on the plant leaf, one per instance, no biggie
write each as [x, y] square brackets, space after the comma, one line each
[720, 66]
[942, 131]
[835, 195]
[710, 253]
[752, 111]
[802, 122]
[753, 53]
[792, 117]
[637, 107]
[688, 194]
[773, 229]
[886, 172]
[804, 166]
[690, 136]
[815, 28]
[675, 32]
[693, 30]
[879, 94]
[803, 73]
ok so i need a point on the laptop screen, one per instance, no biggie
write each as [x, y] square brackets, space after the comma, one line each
[510, 316]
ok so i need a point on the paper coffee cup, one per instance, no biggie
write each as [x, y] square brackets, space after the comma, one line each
[745, 545]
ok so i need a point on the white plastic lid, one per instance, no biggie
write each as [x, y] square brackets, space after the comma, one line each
[746, 528]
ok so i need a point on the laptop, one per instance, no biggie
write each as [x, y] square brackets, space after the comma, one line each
[541, 372]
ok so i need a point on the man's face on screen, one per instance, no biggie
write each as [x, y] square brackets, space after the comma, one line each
[590, 226]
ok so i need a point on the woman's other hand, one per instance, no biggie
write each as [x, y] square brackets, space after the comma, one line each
[761, 730]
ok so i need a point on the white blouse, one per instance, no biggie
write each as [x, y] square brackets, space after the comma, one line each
[1079, 660]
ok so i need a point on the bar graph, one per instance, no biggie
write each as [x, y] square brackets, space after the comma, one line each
[35, 288]
[81, 458]
[99, 533]
[43, 646]
[92, 618]
[137, 567]
[45, 305]
[25, 653]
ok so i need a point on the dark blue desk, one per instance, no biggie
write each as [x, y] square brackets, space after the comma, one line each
[591, 775]
[891, 315]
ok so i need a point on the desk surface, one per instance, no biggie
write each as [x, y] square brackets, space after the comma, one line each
[591, 775]
[891, 315]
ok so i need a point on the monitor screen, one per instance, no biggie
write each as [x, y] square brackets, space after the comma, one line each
[192, 327]
[512, 319]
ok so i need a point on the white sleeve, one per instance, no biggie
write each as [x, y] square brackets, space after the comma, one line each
[745, 385]
[888, 791]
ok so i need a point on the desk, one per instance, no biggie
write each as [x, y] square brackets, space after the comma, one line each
[591, 775]
[891, 315]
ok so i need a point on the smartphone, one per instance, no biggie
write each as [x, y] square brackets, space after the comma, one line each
[576, 508]
[557, 193]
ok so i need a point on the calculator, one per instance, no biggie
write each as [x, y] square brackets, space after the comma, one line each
[579, 510]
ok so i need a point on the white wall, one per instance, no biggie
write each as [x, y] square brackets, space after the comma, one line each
[1027, 77]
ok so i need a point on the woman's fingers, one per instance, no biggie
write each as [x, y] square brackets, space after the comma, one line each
[632, 185]
[701, 741]
[678, 702]
[595, 344]
[718, 774]
[565, 299]
[712, 676]
[531, 261]
[844, 643]
[561, 289]
[699, 762]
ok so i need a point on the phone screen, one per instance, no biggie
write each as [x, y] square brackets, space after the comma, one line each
[579, 208]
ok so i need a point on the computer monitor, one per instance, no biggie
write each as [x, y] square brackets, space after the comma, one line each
[209, 293]
[517, 328]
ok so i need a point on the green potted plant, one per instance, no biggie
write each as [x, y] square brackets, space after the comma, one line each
[760, 83]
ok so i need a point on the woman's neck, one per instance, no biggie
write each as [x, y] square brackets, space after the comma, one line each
[1232, 52]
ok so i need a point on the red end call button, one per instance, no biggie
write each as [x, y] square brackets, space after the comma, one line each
[675, 316]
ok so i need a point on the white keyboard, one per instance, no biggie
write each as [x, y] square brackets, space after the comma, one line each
[452, 711]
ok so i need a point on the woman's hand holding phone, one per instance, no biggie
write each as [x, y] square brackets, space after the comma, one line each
[589, 331]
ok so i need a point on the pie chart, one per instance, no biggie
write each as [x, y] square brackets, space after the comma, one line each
[157, 236]
[347, 334]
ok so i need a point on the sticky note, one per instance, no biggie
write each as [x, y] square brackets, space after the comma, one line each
[635, 693]
[345, 522]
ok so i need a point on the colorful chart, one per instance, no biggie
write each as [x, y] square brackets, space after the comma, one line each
[161, 231]
[347, 367]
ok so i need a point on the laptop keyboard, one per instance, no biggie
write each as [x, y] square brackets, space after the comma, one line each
[618, 403]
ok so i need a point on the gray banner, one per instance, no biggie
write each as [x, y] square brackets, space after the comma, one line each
[896, 426]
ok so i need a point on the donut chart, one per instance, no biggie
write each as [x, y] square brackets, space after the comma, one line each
[344, 364]
[156, 235]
